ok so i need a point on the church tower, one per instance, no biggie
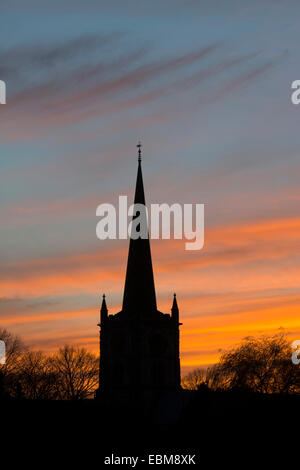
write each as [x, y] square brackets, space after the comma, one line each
[139, 346]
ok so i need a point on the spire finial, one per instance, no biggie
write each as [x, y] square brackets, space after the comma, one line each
[139, 146]
[103, 296]
[174, 308]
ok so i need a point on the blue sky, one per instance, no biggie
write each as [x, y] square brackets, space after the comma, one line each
[204, 85]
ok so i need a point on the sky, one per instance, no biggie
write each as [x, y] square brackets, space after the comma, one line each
[206, 86]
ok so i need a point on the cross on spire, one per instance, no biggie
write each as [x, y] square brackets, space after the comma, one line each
[139, 146]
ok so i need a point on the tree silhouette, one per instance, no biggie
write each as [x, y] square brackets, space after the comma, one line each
[36, 376]
[76, 371]
[194, 380]
[261, 365]
[70, 374]
[15, 348]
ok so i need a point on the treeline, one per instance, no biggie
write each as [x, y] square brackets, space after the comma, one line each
[69, 374]
[260, 365]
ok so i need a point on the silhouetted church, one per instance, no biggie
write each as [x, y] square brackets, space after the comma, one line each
[139, 346]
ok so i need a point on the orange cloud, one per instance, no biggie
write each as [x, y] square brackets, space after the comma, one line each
[243, 283]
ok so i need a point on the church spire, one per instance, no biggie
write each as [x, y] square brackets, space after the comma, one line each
[175, 309]
[103, 311]
[139, 292]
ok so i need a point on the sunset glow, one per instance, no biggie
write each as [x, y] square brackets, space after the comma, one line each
[212, 108]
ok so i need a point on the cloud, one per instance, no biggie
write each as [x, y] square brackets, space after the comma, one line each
[240, 246]
[89, 89]
[75, 84]
[15, 304]
[242, 80]
[43, 59]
